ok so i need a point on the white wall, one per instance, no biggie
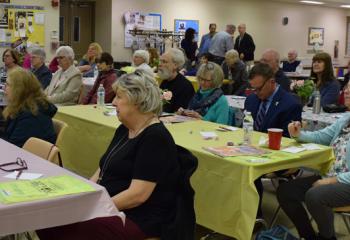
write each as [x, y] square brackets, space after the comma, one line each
[103, 24]
[51, 22]
[263, 19]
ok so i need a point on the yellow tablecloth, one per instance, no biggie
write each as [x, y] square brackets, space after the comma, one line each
[226, 199]
[193, 80]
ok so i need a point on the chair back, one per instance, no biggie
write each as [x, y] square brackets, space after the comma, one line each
[184, 222]
[59, 127]
[43, 149]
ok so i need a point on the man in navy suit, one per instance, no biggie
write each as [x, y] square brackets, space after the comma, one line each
[271, 107]
[280, 107]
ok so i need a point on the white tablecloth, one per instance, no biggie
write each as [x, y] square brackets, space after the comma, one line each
[29, 216]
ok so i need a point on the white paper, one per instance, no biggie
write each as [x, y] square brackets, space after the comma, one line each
[24, 175]
[293, 149]
[208, 135]
[263, 141]
[311, 146]
[258, 160]
[39, 18]
[110, 113]
[228, 128]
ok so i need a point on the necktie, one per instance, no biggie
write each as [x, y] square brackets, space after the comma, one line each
[260, 117]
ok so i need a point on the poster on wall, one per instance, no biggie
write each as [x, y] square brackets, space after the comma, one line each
[316, 36]
[180, 26]
[140, 21]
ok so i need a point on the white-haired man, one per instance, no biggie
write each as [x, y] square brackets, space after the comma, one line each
[170, 64]
[245, 45]
[292, 64]
[221, 43]
[272, 58]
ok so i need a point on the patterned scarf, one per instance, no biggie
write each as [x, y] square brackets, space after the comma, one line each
[202, 105]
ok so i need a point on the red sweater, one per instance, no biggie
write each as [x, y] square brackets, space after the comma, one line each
[106, 79]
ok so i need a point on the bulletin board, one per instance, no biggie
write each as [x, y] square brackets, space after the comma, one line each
[21, 22]
[140, 21]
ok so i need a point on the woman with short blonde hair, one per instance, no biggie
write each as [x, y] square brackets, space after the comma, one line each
[28, 113]
[209, 102]
[235, 71]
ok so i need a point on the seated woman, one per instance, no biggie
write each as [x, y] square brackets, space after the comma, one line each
[320, 193]
[141, 60]
[87, 64]
[323, 75]
[139, 169]
[106, 77]
[64, 88]
[153, 58]
[235, 71]
[10, 57]
[39, 68]
[28, 113]
[209, 103]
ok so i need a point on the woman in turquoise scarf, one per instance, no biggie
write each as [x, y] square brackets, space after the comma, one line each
[209, 103]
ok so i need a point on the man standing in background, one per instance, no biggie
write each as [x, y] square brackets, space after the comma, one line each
[221, 43]
[245, 45]
[206, 40]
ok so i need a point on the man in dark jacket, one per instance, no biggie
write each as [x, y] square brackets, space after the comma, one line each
[245, 45]
[39, 69]
[170, 64]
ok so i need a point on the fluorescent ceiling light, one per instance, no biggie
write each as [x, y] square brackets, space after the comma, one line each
[312, 2]
[345, 6]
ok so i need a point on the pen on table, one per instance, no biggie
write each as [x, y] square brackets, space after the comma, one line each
[18, 174]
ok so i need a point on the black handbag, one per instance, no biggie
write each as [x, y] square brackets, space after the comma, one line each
[334, 108]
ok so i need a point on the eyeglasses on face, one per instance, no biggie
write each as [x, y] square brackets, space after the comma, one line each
[258, 89]
[19, 164]
[201, 79]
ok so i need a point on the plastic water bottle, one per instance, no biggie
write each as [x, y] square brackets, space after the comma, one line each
[316, 107]
[100, 96]
[95, 72]
[247, 128]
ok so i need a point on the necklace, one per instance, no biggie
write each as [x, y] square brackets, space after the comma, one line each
[119, 146]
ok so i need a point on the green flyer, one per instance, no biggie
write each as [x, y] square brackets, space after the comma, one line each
[44, 188]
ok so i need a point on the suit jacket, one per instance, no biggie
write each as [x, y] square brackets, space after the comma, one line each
[44, 75]
[247, 47]
[66, 91]
[283, 109]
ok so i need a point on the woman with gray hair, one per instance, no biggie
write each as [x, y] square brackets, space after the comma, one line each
[65, 86]
[139, 175]
[235, 71]
[209, 103]
[141, 60]
[39, 68]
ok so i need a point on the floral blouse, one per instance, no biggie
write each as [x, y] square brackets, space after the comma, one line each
[339, 147]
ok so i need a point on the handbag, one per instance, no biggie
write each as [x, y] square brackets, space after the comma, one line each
[276, 233]
[334, 108]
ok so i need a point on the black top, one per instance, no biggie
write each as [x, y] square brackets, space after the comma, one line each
[282, 80]
[245, 46]
[190, 48]
[26, 125]
[182, 90]
[290, 67]
[44, 75]
[151, 156]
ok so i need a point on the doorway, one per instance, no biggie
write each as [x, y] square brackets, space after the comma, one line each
[77, 20]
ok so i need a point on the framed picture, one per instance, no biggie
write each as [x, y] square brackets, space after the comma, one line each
[180, 25]
[316, 36]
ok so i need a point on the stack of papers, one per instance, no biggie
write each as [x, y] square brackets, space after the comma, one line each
[304, 147]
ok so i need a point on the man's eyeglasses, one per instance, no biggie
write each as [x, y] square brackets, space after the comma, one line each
[258, 89]
[18, 165]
